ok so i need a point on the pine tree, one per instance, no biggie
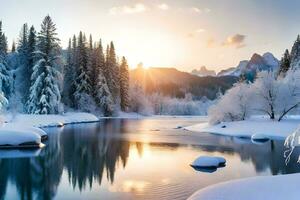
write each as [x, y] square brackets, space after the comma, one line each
[5, 80]
[295, 54]
[3, 41]
[44, 91]
[103, 96]
[285, 63]
[13, 47]
[22, 75]
[124, 85]
[92, 64]
[83, 86]
[68, 76]
[31, 47]
[113, 73]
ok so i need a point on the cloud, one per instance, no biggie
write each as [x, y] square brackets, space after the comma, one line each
[236, 41]
[127, 9]
[200, 11]
[163, 6]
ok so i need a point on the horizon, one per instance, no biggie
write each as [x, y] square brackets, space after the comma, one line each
[182, 35]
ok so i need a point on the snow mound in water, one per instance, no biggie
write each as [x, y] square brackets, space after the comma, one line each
[14, 137]
[208, 162]
[260, 138]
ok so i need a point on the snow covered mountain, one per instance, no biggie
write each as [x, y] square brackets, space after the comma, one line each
[203, 71]
[266, 62]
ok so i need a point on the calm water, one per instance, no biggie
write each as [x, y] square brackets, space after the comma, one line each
[132, 159]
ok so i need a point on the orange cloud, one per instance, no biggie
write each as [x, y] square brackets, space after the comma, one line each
[236, 40]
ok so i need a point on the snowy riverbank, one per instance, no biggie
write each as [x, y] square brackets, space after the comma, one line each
[49, 120]
[247, 128]
[258, 188]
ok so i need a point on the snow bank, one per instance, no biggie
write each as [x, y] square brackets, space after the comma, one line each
[208, 162]
[13, 126]
[258, 188]
[51, 120]
[12, 137]
[247, 128]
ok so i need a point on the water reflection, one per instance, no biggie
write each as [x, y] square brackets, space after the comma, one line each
[89, 156]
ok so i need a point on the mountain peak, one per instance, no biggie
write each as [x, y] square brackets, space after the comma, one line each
[203, 71]
[267, 62]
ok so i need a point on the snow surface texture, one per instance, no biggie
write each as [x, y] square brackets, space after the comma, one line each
[208, 161]
[14, 136]
[258, 188]
[247, 128]
[50, 120]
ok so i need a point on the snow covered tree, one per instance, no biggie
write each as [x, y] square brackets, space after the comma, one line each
[68, 77]
[288, 98]
[139, 103]
[295, 54]
[5, 80]
[22, 74]
[124, 85]
[103, 96]
[234, 105]
[285, 63]
[267, 89]
[13, 47]
[112, 73]
[83, 85]
[92, 63]
[31, 49]
[45, 92]
[4, 73]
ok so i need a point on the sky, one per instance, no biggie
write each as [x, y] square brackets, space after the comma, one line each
[185, 34]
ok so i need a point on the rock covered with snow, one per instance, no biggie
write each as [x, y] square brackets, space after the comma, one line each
[208, 162]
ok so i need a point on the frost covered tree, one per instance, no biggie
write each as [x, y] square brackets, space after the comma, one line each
[288, 98]
[285, 63]
[266, 91]
[124, 85]
[45, 92]
[139, 103]
[234, 105]
[5, 79]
